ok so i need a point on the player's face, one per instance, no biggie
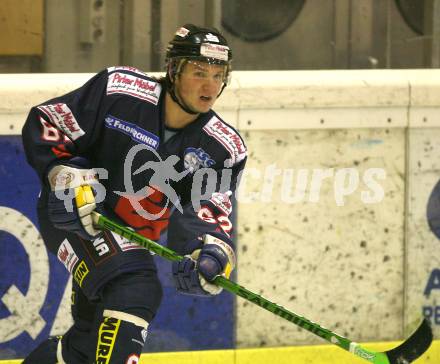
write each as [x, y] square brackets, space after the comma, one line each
[199, 84]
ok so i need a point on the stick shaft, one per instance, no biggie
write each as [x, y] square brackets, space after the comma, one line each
[284, 313]
[342, 342]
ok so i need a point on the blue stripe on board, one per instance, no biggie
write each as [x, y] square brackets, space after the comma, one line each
[182, 323]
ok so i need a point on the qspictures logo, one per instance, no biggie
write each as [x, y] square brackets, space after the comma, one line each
[307, 185]
[268, 184]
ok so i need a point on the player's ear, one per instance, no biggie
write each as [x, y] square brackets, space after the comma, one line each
[170, 72]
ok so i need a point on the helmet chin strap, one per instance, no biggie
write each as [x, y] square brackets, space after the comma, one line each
[182, 103]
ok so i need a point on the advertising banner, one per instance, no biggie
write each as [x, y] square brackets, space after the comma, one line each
[35, 286]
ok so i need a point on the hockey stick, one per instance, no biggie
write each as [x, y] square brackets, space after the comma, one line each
[408, 351]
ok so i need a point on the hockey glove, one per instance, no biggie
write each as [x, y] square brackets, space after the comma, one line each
[195, 273]
[72, 198]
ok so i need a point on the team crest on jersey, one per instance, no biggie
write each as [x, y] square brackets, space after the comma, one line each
[135, 132]
[229, 138]
[195, 158]
[124, 83]
[61, 116]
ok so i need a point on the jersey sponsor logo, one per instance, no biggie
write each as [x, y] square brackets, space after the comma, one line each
[100, 249]
[222, 202]
[226, 136]
[67, 255]
[122, 83]
[60, 115]
[81, 272]
[106, 339]
[125, 244]
[126, 68]
[135, 132]
[195, 158]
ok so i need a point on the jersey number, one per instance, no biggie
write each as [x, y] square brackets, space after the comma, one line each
[52, 134]
[206, 214]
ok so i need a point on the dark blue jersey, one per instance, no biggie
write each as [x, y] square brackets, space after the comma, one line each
[153, 177]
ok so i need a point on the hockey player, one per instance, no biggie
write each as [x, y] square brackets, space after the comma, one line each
[132, 147]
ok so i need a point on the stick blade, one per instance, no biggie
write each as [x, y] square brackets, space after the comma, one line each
[413, 347]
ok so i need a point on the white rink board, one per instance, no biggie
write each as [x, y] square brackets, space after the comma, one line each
[422, 246]
[336, 264]
[359, 269]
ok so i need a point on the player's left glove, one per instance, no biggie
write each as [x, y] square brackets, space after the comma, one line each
[195, 273]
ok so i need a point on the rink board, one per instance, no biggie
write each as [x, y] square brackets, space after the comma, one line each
[327, 261]
[35, 286]
[318, 354]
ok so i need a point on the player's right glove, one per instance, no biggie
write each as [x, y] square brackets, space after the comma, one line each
[72, 198]
[195, 273]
